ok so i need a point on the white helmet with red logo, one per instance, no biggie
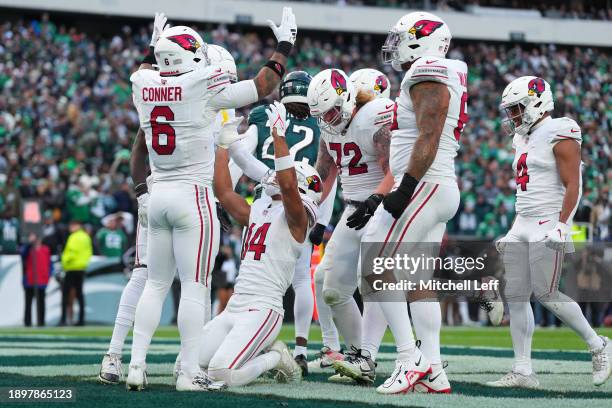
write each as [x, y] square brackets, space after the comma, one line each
[525, 100]
[413, 36]
[217, 55]
[178, 50]
[373, 81]
[331, 99]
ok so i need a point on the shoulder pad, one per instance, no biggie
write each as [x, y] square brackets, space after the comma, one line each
[379, 112]
[430, 69]
[565, 128]
[258, 116]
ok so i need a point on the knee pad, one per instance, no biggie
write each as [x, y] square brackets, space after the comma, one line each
[139, 277]
[334, 297]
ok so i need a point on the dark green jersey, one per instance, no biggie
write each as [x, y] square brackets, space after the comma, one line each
[111, 243]
[302, 138]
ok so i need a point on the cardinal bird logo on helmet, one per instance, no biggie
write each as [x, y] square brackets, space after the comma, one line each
[338, 81]
[381, 84]
[424, 28]
[314, 183]
[186, 41]
[536, 86]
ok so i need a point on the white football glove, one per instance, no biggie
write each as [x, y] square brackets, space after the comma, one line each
[229, 132]
[159, 25]
[143, 203]
[277, 117]
[557, 237]
[287, 30]
[500, 245]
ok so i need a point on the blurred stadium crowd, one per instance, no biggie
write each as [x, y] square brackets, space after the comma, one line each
[67, 119]
[593, 10]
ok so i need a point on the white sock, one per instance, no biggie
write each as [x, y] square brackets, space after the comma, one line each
[396, 314]
[249, 371]
[326, 321]
[303, 307]
[127, 309]
[373, 329]
[190, 321]
[571, 315]
[522, 326]
[427, 320]
[148, 313]
[303, 350]
[348, 321]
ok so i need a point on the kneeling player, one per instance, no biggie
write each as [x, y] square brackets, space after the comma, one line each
[239, 345]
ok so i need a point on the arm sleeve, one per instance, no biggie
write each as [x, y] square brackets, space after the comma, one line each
[235, 95]
[326, 208]
[242, 153]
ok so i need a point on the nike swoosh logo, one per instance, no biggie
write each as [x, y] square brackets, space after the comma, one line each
[429, 62]
[418, 362]
[432, 379]
[388, 106]
[574, 131]
[543, 222]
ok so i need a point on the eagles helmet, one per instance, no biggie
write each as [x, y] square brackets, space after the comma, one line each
[295, 87]
[293, 91]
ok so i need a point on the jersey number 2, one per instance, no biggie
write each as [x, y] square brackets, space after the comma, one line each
[255, 242]
[158, 129]
[522, 178]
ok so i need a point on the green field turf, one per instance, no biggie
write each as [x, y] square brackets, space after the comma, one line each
[70, 357]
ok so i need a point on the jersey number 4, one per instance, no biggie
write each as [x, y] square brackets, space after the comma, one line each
[255, 242]
[353, 166]
[522, 178]
[158, 129]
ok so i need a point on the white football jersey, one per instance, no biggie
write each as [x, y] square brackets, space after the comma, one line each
[354, 151]
[269, 254]
[539, 190]
[179, 122]
[452, 73]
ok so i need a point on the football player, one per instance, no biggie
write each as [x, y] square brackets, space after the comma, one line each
[548, 187]
[177, 105]
[377, 84]
[256, 148]
[429, 118]
[354, 144]
[239, 344]
[111, 369]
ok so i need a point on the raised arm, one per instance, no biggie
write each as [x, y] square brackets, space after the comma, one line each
[159, 25]
[430, 101]
[269, 76]
[224, 191]
[285, 174]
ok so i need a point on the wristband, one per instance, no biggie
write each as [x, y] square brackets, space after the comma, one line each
[150, 57]
[283, 163]
[141, 189]
[284, 47]
[277, 67]
[408, 184]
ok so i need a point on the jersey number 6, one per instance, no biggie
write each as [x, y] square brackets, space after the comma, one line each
[166, 129]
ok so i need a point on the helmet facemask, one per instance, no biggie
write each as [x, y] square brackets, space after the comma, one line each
[390, 50]
[333, 120]
[519, 118]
